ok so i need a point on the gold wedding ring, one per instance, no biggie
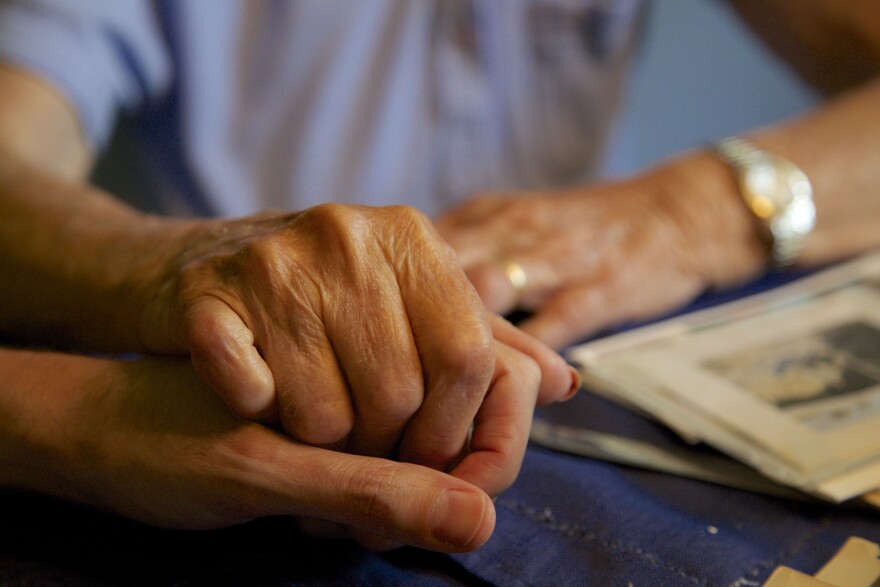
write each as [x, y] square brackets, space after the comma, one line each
[516, 276]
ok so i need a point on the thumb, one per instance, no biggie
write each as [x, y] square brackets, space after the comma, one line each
[224, 356]
[401, 502]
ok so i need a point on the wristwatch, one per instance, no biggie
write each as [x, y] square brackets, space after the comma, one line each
[777, 192]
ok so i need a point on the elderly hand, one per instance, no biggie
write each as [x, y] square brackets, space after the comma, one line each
[353, 328]
[587, 258]
[150, 441]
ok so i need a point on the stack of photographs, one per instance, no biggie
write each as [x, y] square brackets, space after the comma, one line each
[787, 381]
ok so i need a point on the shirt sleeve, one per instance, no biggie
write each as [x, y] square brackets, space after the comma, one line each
[103, 55]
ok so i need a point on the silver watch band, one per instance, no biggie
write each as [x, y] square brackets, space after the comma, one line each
[790, 222]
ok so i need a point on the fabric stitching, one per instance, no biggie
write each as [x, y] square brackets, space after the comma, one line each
[546, 519]
[777, 560]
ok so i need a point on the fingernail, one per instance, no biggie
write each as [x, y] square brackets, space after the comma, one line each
[575, 384]
[457, 517]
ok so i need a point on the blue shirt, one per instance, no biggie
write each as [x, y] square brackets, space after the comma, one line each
[242, 105]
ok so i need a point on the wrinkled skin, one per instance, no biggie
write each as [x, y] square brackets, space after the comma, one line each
[349, 327]
[371, 393]
[600, 255]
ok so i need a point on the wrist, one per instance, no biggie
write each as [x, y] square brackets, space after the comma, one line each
[777, 193]
[148, 288]
[703, 191]
[130, 274]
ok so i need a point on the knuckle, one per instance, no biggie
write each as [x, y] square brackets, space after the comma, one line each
[374, 491]
[333, 220]
[213, 334]
[528, 371]
[338, 231]
[392, 397]
[320, 423]
[409, 213]
[329, 213]
[411, 222]
[470, 359]
[503, 476]
[235, 454]
[203, 329]
[522, 370]
[267, 259]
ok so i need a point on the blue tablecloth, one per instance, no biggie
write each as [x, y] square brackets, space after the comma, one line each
[572, 521]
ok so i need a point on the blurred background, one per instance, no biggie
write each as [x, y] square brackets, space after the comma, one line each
[700, 76]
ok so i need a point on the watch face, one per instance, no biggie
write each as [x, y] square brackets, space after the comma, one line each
[777, 192]
[766, 189]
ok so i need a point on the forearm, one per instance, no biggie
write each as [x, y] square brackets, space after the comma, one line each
[76, 265]
[836, 145]
[73, 261]
[38, 388]
[836, 47]
[833, 45]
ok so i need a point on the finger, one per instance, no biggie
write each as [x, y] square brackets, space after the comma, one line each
[314, 403]
[455, 344]
[474, 211]
[501, 428]
[450, 328]
[224, 355]
[610, 297]
[471, 232]
[494, 288]
[401, 502]
[500, 434]
[519, 280]
[491, 243]
[559, 381]
[577, 312]
[379, 359]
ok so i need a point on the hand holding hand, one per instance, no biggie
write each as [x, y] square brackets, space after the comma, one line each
[150, 441]
[353, 328]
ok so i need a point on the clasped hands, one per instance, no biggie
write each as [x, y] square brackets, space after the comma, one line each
[368, 385]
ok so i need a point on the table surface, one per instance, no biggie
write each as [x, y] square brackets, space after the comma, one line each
[566, 521]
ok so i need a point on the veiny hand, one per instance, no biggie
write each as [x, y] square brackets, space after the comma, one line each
[353, 328]
[150, 441]
[598, 256]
